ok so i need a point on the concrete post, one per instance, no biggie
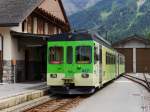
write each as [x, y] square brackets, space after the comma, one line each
[134, 60]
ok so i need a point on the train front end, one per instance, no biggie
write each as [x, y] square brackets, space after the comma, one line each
[70, 67]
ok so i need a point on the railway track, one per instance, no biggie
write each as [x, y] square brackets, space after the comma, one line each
[57, 105]
[142, 81]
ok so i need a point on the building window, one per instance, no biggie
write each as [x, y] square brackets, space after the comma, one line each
[30, 24]
[23, 26]
[46, 28]
[50, 29]
[35, 25]
[40, 26]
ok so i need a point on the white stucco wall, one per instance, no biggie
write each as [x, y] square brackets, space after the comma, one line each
[133, 44]
[16, 52]
[10, 44]
[5, 32]
[17, 28]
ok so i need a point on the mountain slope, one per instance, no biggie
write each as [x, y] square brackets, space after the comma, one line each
[73, 6]
[121, 18]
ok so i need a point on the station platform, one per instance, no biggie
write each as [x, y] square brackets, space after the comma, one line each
[122, 95]
[15, 94]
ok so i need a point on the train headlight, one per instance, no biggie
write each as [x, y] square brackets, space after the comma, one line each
[85, 75]
[53, 75]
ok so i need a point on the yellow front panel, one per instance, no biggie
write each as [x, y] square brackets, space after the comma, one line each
[55, 81]
[80, 81]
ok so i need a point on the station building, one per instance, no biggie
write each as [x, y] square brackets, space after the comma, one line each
[137, 53]
[23, 25]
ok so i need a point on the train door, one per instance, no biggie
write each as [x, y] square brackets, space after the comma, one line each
[97, 63]
[117, 64]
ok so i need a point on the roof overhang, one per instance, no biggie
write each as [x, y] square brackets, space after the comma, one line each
[29, 40]
[28, 35]
[9, 24]
[131, 38]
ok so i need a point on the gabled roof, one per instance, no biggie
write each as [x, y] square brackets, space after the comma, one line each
[12, 12]
[63, 10]
[133, 37]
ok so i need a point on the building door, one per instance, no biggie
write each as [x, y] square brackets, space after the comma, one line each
[128, 53]
[26, 64]
[1, 58]
[35, 63]
[43, 62]
[32, 61]
[143, 60]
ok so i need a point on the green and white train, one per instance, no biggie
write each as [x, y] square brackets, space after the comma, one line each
[78, 63]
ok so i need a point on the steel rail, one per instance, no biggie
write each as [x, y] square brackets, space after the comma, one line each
[147, 82]
[56, 105]
[63, 107]
[139, 81]
[136, 78]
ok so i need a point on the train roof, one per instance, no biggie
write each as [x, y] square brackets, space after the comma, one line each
[76, 36]
[79, 37]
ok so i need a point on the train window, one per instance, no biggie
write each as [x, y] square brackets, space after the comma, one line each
[106, 58]
[56, 55]
[114, 59]
[95, 55]
[100, 55]
[69, 55]
[110, 58]
[84, 55]
[122, 61]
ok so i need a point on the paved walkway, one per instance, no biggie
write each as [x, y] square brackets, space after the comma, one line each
[121, 96]
[8, 90]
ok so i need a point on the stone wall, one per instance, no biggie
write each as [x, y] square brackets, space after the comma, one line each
[20, 71]
[8, 71]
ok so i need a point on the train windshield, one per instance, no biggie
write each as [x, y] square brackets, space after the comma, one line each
[83, 54]
[56, 55]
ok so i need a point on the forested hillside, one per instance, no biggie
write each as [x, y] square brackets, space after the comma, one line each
[120, 18]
